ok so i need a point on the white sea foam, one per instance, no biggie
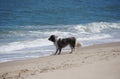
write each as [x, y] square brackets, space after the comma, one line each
[24, 44]
[96, 27]
[95, 37]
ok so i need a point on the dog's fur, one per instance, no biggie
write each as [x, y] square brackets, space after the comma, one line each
[63, 42]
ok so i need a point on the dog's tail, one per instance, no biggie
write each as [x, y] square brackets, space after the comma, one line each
[78, 44]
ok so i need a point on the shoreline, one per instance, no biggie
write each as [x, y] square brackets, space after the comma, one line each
[34, 68]
[67, 50]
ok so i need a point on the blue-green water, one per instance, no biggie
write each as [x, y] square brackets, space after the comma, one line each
[25, 25]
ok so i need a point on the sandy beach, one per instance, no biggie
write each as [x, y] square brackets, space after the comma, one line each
[100, 61]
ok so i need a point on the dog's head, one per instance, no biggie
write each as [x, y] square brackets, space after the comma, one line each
[52, 38]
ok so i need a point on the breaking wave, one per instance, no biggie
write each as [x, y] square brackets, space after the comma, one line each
[96, 27]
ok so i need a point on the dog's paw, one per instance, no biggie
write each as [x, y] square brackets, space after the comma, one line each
[52, 54]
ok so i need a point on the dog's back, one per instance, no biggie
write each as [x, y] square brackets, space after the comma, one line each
[67, 41]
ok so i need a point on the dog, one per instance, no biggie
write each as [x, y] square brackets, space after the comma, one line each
[62, 42]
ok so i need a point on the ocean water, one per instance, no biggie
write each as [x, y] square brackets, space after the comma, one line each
[25, 25]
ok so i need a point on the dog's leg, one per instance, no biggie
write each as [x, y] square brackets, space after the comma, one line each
[56, 51]
[59, 51]
[72, 49]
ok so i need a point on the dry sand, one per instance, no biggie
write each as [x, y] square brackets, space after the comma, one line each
[92, 62]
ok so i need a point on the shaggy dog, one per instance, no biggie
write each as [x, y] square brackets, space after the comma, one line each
[63, 42]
